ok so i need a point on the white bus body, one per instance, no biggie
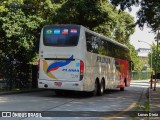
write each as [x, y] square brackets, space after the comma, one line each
[71, 66]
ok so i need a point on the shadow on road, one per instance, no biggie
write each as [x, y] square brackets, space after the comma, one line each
[83, 95]
[69, 94]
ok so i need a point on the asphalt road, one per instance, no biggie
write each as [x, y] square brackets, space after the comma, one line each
[114, 101]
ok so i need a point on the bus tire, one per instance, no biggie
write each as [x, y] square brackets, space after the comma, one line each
[122, 89]
[101, 88]
[94, 92]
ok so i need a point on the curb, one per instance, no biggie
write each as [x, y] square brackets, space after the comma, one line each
[20, 91]
[150, 102]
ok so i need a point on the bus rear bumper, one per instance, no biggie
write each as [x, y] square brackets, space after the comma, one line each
[61, 85]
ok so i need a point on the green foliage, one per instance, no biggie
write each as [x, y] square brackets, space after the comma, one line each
[83, 12]
[100, 17]
[22, 20]
[15, 1]
[155, 63]
[125, 3]
[125, 27]
[2, 7]
[137, 61]
[149, 12]
[19, 36]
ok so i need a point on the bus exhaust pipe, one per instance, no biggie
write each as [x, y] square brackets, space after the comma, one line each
[46, 86]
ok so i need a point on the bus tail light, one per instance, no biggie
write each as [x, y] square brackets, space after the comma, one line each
[81, 69]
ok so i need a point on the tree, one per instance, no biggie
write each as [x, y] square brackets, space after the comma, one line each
[100, 17]
[148, 14]
[154, 54]
[19, 34]
[22, 20]
[78, 12]
[19, 39]
[137, 61]
[125, 4]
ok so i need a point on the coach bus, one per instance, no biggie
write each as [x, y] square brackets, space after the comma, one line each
[72, 57]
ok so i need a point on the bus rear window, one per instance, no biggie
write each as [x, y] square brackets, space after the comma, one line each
[61, 35]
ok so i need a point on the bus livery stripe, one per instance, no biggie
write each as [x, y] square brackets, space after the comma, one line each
[45, 66]
[56, 65]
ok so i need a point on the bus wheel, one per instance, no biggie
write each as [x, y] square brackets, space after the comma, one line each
[101, 88]
[121, 89]
[94, 92]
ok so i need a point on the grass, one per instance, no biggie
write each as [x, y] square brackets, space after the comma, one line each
[146, 106]
[142, 107]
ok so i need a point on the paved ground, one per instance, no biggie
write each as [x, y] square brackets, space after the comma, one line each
[113, 100]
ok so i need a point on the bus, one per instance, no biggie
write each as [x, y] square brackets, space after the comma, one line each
[74, 58]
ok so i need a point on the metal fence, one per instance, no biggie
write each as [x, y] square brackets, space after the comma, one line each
[18, 76]
[141, 75]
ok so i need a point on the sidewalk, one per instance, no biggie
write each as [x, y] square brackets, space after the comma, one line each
[154, 98]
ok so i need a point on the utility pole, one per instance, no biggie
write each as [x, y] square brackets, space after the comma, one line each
[156, 62]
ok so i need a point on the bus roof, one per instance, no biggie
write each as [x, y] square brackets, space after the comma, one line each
[106, 38]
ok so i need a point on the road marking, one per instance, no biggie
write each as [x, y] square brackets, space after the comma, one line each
[122, 112]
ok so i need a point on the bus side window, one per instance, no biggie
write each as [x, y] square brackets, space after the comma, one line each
[113, 50]
[105, 45]
[109, 49]
[88, 42]
[92, 42]
[102, 48]
[95, 44]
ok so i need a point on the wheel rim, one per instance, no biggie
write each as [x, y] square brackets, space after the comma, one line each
[102, 88]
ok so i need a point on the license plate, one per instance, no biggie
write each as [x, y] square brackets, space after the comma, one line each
[58, 84]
